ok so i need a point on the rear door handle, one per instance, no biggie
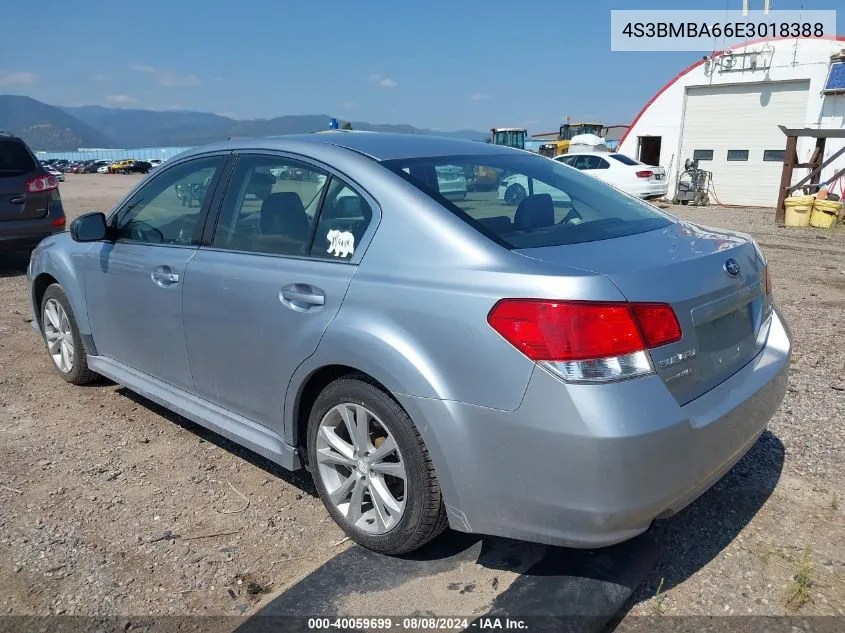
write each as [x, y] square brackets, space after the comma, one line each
[302, 297]
[164, 277]
[18, 200]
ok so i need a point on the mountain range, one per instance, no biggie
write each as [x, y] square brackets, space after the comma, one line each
[54, 128]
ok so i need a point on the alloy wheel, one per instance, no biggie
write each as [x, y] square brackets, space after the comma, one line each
[359, 463]
[59, 335]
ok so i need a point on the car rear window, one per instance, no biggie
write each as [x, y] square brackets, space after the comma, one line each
[15, 159]
[524, 200]
[625, 160]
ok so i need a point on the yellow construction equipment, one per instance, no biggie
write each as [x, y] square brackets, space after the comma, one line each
[508, 136]
[567, 132]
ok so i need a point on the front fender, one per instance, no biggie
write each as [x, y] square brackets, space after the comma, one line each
[62, 259]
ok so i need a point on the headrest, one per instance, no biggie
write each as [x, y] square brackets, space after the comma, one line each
[536, 211]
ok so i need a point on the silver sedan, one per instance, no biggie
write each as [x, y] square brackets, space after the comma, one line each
[564, 366]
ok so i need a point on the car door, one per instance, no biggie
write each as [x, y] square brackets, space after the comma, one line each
[133, 283]
[268, 279]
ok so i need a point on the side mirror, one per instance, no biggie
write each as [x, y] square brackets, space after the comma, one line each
[90, 227]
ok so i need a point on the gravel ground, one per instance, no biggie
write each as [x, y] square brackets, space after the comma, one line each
[114, 506]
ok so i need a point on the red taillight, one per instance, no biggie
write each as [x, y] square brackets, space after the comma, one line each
[59, 221]
[657, 322]
[41, 184]
[547, 330]
[645, 173]
[768, 282]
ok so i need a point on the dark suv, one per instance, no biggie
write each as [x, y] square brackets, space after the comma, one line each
[30, 204]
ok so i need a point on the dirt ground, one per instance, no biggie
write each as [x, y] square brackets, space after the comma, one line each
[110, 505]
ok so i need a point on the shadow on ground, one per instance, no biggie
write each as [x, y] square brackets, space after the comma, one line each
[299, 478]
[695, 536]
[13, 264]
[559, 588]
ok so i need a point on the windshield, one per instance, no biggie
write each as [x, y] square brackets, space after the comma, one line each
[529, 201]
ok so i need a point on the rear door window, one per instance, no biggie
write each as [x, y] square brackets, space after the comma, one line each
[15, 159]
[270, 206]
[625, 160]
[344, 218]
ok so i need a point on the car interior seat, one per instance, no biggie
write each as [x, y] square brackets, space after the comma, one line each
[284, 226]
[534, 212]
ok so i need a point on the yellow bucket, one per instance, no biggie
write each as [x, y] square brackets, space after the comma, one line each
[831, 206]
[822, 219]
[798, 210]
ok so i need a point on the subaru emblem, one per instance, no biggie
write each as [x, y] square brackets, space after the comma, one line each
[732, 267]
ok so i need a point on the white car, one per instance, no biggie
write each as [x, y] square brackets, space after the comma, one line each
[55, 172]
[452, 182]
[155, 163]
[623, 172]
[103, 170]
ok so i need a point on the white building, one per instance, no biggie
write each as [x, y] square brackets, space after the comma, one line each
[725, 110]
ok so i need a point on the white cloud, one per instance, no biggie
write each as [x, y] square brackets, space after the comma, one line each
[19, 77]
[168, 78]
[478, 96]
[381, 80]
[349, 105]
[100, 78]
[121, 99]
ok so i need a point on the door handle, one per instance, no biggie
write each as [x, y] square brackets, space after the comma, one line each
[302, 297]
[163, 276]
[18, 200]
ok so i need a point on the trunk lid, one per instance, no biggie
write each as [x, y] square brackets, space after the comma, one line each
[724, 318]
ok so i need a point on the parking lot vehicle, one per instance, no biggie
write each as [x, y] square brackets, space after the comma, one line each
[623, 172]
[30, 204]
[120, 166]
[104, 169]
[451, 182]
[557, 373]
[136, 167]
[55, 173]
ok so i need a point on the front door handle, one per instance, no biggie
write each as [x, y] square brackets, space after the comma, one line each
[18, 200]
[164, 277]
[302, 297]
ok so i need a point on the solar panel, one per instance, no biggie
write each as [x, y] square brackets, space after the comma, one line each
[836, 78]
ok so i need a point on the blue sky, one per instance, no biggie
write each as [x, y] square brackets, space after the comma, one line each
[461, 64]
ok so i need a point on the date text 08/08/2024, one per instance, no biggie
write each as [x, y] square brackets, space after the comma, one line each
[484, 623]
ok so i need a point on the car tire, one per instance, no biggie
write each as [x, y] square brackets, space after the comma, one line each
[515, 194]
[64, 322]
[423, 515]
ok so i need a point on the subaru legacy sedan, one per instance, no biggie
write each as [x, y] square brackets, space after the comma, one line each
[564, 370]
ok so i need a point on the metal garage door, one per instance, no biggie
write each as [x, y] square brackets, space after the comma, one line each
[739, 122]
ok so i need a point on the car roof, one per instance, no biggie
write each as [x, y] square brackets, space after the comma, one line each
[378, 145]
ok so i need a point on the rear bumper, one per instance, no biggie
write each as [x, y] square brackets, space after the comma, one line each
[593, 465]
[656, 189]
[21, 235]
[25, 241]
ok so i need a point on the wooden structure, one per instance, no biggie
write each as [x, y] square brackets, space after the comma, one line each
[810, 182]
